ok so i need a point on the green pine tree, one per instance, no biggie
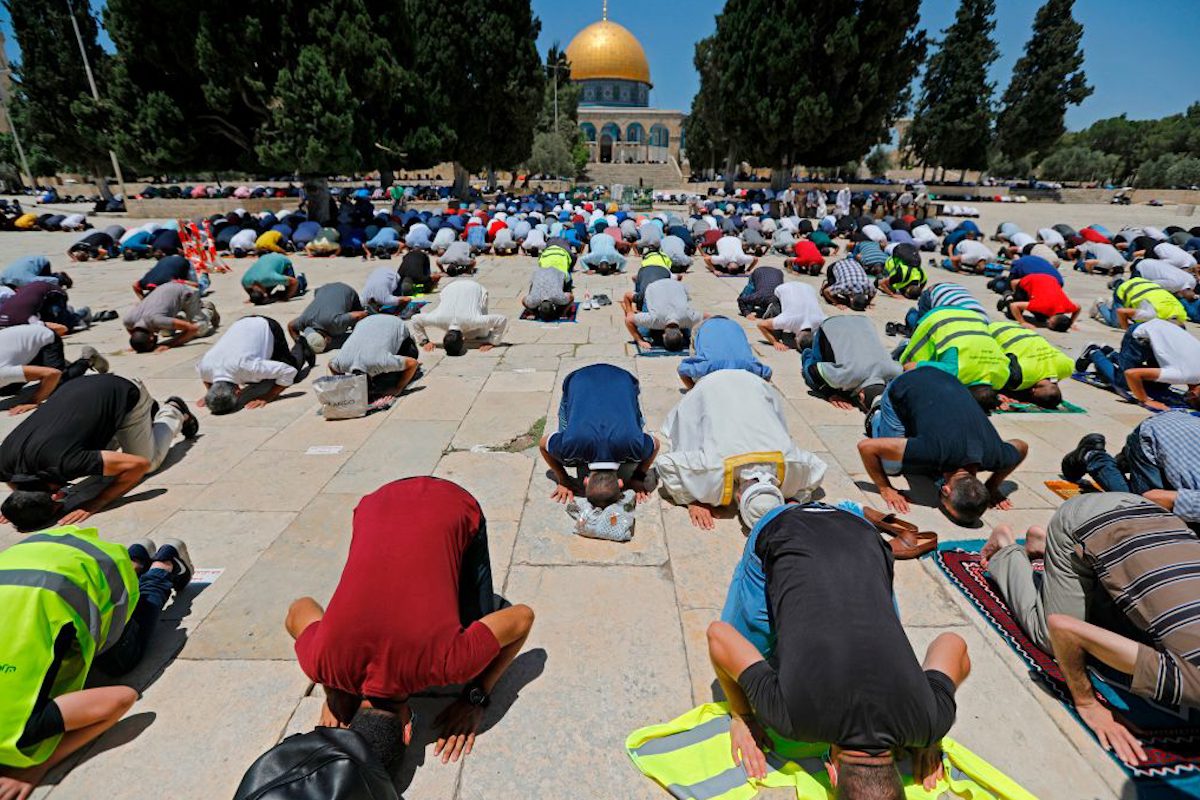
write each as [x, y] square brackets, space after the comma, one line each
[816, 81]
[484, 78]
[53, 106]
[952, 123]
[1046, 79]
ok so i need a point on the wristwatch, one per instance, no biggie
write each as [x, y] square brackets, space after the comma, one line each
[474, 694]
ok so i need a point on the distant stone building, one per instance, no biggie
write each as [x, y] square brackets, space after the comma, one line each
[609, 64]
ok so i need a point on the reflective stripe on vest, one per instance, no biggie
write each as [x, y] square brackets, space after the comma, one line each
[117, 593]
[942, 321]
[555, 256]
[62, 586]
[901, 275]
[656, 259]
[1166, 305]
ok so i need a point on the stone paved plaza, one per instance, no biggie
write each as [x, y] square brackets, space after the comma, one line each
[619, 638]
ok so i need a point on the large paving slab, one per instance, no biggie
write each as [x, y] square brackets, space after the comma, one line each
[267, 496]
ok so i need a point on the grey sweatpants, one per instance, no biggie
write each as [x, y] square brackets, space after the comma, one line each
[1068, 586]
[140, 435]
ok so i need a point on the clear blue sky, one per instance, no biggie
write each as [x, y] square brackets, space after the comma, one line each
[1138, 55]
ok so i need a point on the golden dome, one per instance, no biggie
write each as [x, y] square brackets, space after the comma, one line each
[605, 49]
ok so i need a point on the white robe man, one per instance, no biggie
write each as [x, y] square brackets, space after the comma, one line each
[727, 443]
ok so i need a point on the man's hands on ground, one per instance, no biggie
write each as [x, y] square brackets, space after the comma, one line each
[427, 347]
[928, 767]
[1153, 405]
[328, 720]
[256, 403]
[76, 516]
[781, 347]
[562, 494]
[894, 499]
[457, 725]
[842, 403]
[747, 739]
[701, 516]
[1111, 733]
[24, 408]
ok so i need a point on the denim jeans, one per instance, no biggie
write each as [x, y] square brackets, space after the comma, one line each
[810, 357]
[1193, 309]
[886, 424]
[154, 587]
[1144, 474]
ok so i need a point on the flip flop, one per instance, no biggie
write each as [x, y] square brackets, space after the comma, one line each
[904, 549]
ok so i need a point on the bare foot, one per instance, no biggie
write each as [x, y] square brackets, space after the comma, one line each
[1035, 542]
[483, 348]
[1002, 536]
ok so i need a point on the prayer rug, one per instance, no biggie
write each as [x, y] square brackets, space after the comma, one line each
[1170, 397]
[571, 314]
[1170, 735]
[1066, 407]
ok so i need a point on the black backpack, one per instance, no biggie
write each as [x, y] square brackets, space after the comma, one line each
[325, 764]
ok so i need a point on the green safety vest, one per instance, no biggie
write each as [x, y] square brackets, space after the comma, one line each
[690, 758]
[1037, 358]
[50, 579]
[1134, 291]
[557, 257]
[901, 275]
[656, 259]
[980, 359]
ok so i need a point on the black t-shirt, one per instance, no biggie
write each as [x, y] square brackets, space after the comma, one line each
[414, 266]
[96, 239]
[945, 427]
[847, 672]
[62, 439]
[166, 241]
[647, 276]
[167, 269]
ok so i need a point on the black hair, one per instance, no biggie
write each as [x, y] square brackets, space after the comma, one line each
[1059, 322]
[142, 340]
[383, 732]
[869, 782]
[548, 311]
[673, 339]
[64, 280]
[406, 287]
[257, 296]
[968, 498]
[987, 397]
[454, 343]
[603, 487]
[804, 340]
[1046, 395]
[859, 301]
[30, 509]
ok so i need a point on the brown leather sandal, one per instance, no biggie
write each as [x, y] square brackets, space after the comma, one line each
[907, 541]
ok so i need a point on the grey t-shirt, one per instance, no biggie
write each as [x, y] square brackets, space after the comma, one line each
[458, 253]
[374, 347]
[329, 311]
[666, 302]
[546, 284]
[158, 310]
[860, 359]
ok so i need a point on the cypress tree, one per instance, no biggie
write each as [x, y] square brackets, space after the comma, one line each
[1046, 79]
[952, 123]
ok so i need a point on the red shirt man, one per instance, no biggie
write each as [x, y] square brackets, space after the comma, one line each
[392, 627]
[1046, 301]
[1093, 235]
[807, 254]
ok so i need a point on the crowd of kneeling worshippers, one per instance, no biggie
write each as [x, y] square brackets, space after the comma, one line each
[72, 601]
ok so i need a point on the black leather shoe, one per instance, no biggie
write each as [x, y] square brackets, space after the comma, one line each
[1074, 463]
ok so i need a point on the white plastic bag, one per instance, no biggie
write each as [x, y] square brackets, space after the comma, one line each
[342, 396]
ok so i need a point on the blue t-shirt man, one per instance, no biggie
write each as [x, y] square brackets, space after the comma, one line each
[720, 343]
[600, 424]
[1033, 265]
[27, 270]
